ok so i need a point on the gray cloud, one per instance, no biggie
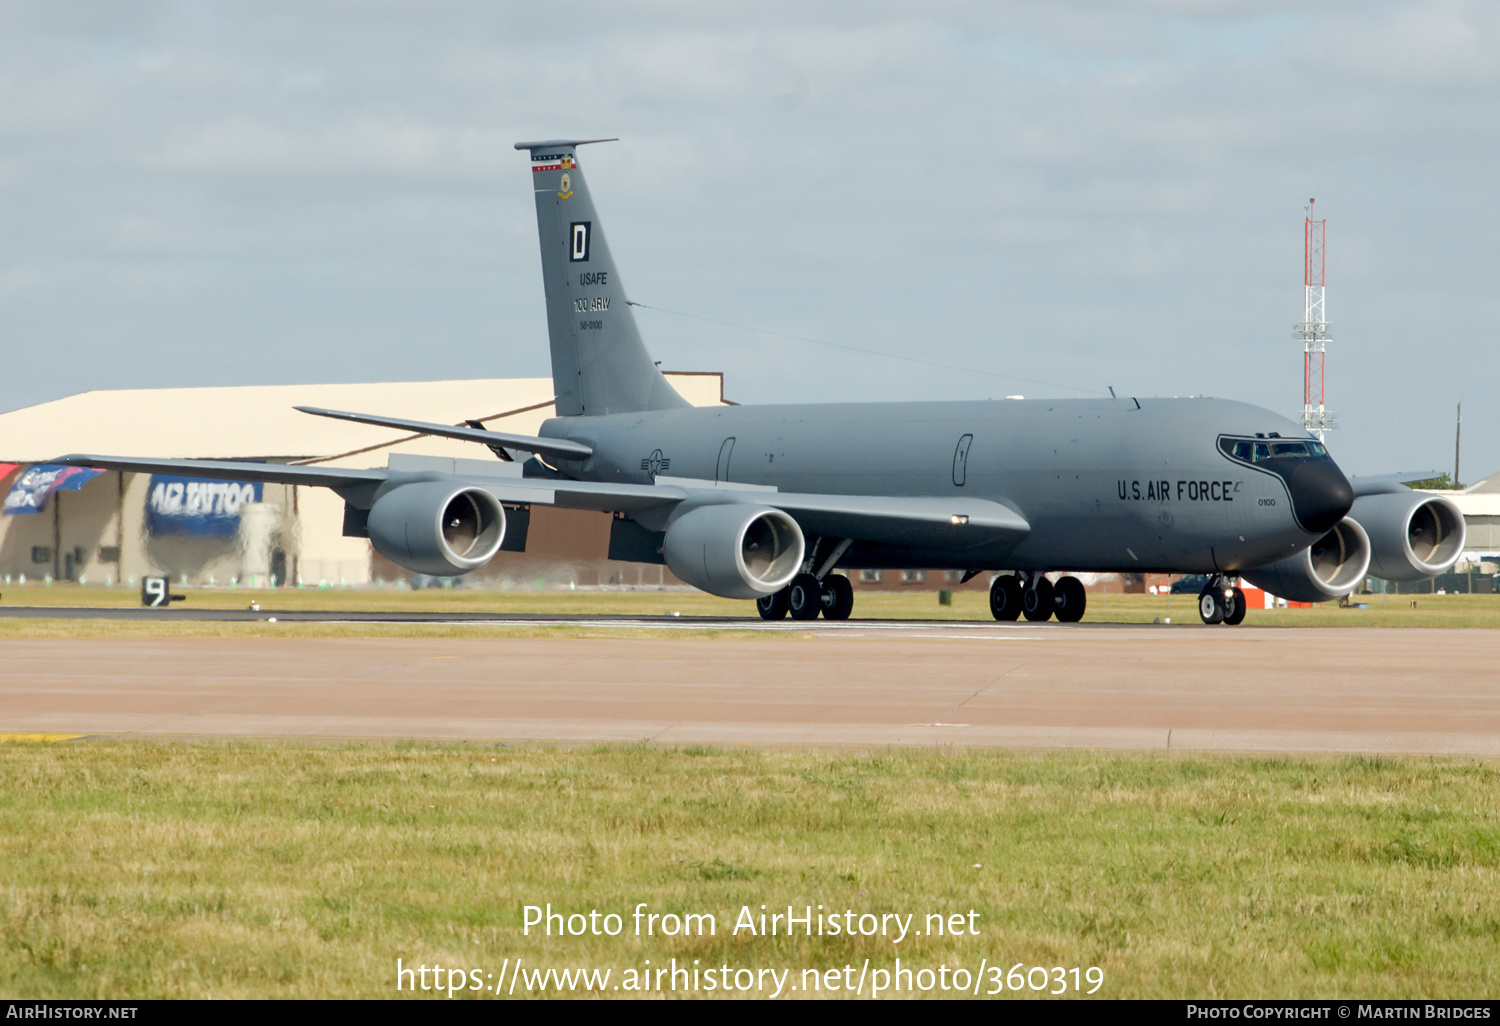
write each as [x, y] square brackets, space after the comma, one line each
[1082, 193]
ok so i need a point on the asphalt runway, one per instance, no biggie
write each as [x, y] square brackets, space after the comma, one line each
[1177, 688]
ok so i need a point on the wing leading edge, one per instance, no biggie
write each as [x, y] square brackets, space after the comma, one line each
[555, 448]
[874, 518]
[233, 470]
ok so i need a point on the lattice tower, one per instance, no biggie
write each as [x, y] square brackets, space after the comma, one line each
[1313, 329]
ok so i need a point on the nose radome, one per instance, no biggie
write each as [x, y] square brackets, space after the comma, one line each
[1321, 495]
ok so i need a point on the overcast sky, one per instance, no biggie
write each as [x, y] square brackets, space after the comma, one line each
[1055, 197]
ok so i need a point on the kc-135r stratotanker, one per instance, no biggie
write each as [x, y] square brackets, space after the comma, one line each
[767, 502]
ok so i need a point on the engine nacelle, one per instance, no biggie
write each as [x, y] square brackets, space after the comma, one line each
[1413, 535]
[1329, 568]
[436, 527]
[735, 550]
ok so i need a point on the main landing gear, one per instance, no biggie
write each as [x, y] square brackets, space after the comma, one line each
[1221, 603]
[810, 594]
[806, 597]
[1033, 596]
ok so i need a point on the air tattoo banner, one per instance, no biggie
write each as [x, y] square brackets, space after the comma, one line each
[191, 505]
[30, 492]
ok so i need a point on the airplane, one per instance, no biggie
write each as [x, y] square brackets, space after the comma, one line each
[766, 502]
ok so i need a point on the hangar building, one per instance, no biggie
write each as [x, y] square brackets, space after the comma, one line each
[117, 527]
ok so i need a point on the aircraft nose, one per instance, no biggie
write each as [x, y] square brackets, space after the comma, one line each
[1321, 495]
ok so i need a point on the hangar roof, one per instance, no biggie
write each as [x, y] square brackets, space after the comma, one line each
[258, 422]
[1485, 486]
[1480, 499]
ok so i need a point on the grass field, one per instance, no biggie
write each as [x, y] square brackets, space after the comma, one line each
[1394, 611]
[138, 869]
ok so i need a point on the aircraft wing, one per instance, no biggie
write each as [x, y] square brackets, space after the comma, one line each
[907, 520]
[876, 518]
[1382, 484]
[554, 448]
[232, 470]
[903, 519]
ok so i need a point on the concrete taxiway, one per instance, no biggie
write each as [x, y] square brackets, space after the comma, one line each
[856, 683]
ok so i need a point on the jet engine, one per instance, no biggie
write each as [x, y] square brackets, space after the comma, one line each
[436, 527]
[1413, 535]
[734, 550]
[1330, 568]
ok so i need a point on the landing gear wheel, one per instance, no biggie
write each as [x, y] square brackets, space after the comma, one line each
[804, 597]
[1069, 599]
[772, 606]
[838, 597]
[1005, 598]
[1036, 600]
[1234, 612]
[1211, 606]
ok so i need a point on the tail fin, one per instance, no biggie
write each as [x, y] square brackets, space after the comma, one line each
[599, 364]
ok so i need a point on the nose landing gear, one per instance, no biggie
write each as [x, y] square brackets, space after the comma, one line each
[1220, 602]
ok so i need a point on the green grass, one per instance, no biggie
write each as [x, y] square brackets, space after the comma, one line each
[140, 870]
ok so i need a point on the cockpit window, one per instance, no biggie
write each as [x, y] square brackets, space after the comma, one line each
[1248, 450]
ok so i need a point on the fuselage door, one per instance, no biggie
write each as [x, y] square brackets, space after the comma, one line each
[961, 460]
[721, 472]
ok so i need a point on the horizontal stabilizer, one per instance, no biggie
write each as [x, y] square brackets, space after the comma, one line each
[552, 144]
[557, 448]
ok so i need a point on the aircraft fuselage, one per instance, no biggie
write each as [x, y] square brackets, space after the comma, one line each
[1112, 485]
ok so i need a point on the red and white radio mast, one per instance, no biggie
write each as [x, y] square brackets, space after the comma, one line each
[1313, 330]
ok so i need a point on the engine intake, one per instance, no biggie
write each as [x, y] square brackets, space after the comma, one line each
[1329, 568]
[1413, 535]
[436, 527]
[734, 550]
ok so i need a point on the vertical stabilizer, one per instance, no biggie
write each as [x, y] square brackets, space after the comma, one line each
[599, 364]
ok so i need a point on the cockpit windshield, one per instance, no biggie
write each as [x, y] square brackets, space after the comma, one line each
[1257, 450]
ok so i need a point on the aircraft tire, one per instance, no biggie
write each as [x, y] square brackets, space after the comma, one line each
[1036, 600]
[1234, 612]
[804, 597]
[1069, 599]
[772, 606]
[1211, 606]
[1005, 597]
[838, 597]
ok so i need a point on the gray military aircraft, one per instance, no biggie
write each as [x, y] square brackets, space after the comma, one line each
[766, 502]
